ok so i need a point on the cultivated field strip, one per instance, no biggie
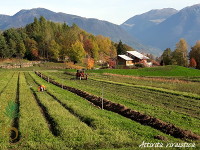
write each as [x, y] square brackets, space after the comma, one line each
[50, 121]
[5, 80]
[8, 95]
[157, 104]
[69, 126]
[65, 106]
[185, 90]
[136, 116]
[118, 130]
[179, 103]
[35, 133]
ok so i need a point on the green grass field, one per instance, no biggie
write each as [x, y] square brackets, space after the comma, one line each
[155, 71]
[59, 119]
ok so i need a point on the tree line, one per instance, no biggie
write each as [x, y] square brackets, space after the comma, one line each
[46, 40]
[180, 56]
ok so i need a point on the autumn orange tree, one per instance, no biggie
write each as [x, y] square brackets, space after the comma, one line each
[90, 63]
[195, 53]
[193, 63]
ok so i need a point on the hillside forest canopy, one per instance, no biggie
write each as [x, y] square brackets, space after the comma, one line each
[46, 40]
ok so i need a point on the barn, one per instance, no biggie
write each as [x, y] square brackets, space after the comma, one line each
[124, 60]
[131, 58]
[137, 57]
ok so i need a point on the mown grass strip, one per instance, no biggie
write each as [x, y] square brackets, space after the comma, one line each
[88, 123]
[33, 126]
[70, 127]
[173, 92]
[8, 96]
[137, 116]
[177, 93]
[5, 79]
[50, 121]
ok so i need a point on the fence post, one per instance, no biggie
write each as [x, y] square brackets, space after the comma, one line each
[102, 100]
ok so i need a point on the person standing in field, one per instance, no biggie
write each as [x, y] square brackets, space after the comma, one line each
[41, 88]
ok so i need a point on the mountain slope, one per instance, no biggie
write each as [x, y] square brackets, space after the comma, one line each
[185, 24]
[93, 26]
[143, 22]
[166, 33]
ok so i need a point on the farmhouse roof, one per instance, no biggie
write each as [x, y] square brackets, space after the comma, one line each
[125, 57]
[137, 54]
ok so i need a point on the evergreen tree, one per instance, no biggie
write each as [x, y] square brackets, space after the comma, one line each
[167, 57]
[3, 47]
[21, 49]
[120, 48]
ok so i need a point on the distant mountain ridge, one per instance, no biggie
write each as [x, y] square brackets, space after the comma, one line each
[182, 24]
[94, 26]
[140, 23]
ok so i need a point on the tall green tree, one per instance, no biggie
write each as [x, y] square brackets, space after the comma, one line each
[167, 57]
[3, 47]
[54, 50]
[120, 48]
[21, 49]
[77, 52]
[180, 55]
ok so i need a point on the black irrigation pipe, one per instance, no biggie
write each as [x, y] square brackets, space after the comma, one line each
[129, 113]
[15, 124]
[86, 121]
[53, 126]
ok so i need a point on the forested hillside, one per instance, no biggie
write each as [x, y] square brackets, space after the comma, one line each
[90, 25]
[47, 40]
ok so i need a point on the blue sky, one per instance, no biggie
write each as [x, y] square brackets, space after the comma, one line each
[115, 11]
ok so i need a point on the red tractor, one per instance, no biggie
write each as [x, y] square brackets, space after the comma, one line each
[81, 75]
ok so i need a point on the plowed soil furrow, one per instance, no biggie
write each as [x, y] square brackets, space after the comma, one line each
[128, 113]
